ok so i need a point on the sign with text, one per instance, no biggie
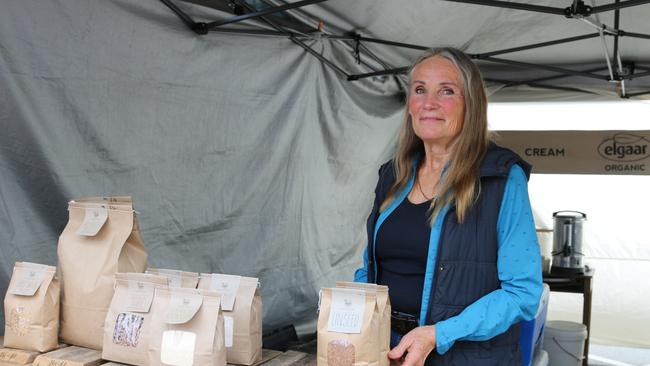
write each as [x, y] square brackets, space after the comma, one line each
[581, 152]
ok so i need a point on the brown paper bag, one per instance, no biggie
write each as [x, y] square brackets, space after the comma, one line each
[98, 241]
[32, 308]
[186, 328]
[70, 356]
[241, 304]
[177, 278]
[349, 328]
[126, 329]
[383, 305]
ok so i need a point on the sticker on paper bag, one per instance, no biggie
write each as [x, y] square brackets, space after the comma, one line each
[346, 311]
[27, 280]
[93, 221]
[182, 307]
[226, 286]
[177, 348]
[140, 296]
[127, 329]
[228, 325]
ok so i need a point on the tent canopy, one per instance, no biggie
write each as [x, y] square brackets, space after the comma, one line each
[527, 50]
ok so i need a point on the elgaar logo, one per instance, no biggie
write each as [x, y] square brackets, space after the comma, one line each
[624, 147]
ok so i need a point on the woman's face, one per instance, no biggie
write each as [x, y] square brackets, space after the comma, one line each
[436, 101]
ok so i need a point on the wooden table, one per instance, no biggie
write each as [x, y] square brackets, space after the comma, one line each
[576, 283]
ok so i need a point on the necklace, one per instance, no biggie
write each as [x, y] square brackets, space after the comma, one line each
[421, 191]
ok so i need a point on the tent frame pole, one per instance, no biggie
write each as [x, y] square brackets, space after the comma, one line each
[261, 13]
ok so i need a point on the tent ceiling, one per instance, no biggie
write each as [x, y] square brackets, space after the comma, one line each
[480, 30]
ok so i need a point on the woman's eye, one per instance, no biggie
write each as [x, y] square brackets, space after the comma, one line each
[419, 90]
[447, 91]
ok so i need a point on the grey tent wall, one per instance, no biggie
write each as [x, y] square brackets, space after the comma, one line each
[244, 155]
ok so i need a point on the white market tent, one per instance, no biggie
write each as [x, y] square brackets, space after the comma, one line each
[247, 149]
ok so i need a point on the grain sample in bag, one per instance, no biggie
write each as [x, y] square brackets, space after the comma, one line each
[383, 305]
[177, 278]
[241, 304]
[349, 328]
[32, 308]
[128, 321]
[99, 240]
[186, 329]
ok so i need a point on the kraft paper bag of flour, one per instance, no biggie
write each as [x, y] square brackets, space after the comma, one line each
[128, 321]
[187, 328]
[177, 278]
[100, 240]
[383, 304]
[32, 308]
[350, 328]
[241, 304]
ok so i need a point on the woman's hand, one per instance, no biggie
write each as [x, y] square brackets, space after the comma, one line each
[414, 347]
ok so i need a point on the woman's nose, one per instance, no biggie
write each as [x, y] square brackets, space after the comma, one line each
[431, 102]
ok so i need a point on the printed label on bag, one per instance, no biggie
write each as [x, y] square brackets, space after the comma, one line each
[19, 321]
[93, 221]
[346, 311]
[177, 348]
[182, 307]
[140, 296]
[127, 329]
[27, 281]
[226, 286]
[228, 325]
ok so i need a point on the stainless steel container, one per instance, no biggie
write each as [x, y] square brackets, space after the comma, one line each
[567, 242]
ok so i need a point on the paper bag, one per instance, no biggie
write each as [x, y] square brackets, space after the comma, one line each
[187, 328]
[349, 328]
[241, 304]
[32, 308]
[177, 278]
[383, 305]
[99, 240]
[128, 321]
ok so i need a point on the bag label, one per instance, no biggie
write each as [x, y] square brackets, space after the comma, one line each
[127, 329]
[28, 280]
[346, 311]
[182, 307]
[94, 220]
[140, 296]
[177, 348]
[226, 286]
[228, 325]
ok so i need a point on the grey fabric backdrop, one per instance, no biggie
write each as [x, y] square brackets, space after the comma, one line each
[244, 155]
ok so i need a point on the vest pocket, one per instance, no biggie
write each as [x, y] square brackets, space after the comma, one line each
[462, 283]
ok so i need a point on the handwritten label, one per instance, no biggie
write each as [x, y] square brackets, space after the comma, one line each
[226, 286]
[182, 307]
[140, 296]
[228, 325]
[177, 348]
[94, 220]
[346, 311]
[27, 280]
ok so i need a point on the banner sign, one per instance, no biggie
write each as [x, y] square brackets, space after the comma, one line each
[581, 152]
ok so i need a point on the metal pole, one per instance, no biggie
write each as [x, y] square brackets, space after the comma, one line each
[399, 70]
[513, 5]
[264, 12]
[617, 5]
[382, 41]
[184, 17]
[538, 45]
[545, 67]
[635, 35]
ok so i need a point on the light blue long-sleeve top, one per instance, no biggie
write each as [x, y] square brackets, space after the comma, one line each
[518, 265]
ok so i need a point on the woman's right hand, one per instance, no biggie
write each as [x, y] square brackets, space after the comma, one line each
[415, 347]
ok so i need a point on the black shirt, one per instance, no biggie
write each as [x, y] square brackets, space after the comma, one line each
[402, 247]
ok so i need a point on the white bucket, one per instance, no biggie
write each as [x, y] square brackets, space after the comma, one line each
[565, 342]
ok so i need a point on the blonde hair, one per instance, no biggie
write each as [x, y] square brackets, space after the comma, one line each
[461, 181]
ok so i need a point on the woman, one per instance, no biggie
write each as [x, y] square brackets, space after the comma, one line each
[451, 232]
